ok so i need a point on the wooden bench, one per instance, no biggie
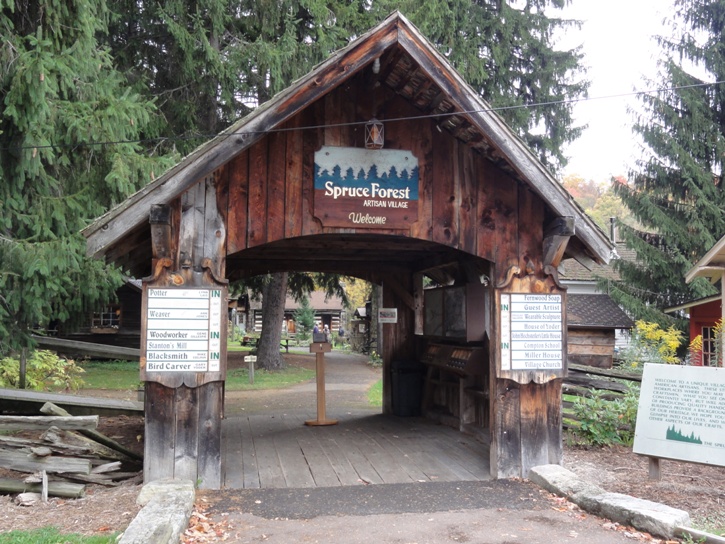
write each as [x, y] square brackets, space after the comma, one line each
[254, 342]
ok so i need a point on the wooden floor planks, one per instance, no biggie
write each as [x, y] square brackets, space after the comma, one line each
[279, 451]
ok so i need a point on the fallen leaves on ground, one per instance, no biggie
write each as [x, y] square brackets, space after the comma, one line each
[202, 530]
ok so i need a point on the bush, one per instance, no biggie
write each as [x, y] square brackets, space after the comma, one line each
[43, 369]
[604, 422]
[651, 344]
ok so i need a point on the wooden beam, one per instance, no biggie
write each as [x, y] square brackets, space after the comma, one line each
[22, 462]
[25, 423]
[398, 289]
[556, 239]
[56, 489]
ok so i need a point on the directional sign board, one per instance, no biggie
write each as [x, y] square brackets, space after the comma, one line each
[183, 329]
[531, 332]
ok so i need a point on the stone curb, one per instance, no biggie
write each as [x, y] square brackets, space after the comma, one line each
[167, 506]
[654, 518]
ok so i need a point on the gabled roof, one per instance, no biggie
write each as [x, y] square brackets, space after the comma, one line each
[595, 312]
[415, 70]
[571, 270]
[318, 300]
[711, 266]
[693, 303]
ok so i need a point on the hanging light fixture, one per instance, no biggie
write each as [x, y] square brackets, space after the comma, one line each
[374, 134]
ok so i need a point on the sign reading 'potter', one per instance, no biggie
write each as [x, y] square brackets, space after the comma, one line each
[366, 188]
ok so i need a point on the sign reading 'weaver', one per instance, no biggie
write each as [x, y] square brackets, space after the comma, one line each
[365, 188]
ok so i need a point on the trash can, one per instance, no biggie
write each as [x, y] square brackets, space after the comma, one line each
[407, 388]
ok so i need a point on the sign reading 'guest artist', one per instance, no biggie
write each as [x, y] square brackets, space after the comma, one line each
[359, 188]
[531, 332]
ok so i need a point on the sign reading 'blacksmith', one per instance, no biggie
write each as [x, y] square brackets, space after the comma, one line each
[183, 330]
[366, 188]
[531, 332]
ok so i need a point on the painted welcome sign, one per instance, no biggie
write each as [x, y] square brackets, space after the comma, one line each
[366, 188]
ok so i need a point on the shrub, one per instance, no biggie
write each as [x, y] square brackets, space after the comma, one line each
[604, 422]
[652, 344]
[43, 369]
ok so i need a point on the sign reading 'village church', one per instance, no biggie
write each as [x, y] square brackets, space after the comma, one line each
[366, 188]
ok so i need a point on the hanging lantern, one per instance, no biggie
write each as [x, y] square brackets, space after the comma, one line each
[374, 134]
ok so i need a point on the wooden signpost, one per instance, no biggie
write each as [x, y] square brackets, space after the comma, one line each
[319, 349]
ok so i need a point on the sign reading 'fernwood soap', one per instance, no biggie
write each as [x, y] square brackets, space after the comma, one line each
[531, 332]
[183, 330]
[366, 188]
[682, 414]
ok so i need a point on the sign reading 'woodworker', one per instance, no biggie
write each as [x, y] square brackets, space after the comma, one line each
[183, 330]
[366, 188]
[531, 332]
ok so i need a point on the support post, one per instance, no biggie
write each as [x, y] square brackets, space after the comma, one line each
[319, 349]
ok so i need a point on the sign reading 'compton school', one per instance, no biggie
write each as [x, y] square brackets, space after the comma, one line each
[531, 332]
[183, 330]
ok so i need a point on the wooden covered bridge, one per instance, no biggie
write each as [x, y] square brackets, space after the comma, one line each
[453, 194]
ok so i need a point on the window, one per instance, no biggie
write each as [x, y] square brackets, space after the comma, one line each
[709, 348]
[108, 319]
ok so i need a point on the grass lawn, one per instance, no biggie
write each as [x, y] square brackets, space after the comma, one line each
[124, 376]
[50, 535]
[375, 394]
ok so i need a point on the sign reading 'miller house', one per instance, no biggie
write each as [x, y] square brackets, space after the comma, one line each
[366, 188]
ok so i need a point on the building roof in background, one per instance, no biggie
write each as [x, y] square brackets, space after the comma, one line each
[572, 270]
[711, 266]
[595, 312]
[317, 299]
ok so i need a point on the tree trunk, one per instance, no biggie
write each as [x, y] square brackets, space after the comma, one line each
[273, 298]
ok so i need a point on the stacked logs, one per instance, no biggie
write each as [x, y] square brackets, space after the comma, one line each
[68, 454]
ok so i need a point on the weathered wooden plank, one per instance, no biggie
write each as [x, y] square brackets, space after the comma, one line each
[214, 229]
[530, 229]
[553, 421]
[238, 202]
[56, 489]
[160, 432]
[485, 207]
[276, 178]
[211, 401]
[347, 474]
[295, 467]
[445, 192]
[232, 474]
[50, 408]
[270, 473]
[534, 437]
[312, 142]
[293, 188]
[506, 431]
[322, 472]
[23, 462]
[258, 157]
[250, 466]
[187, 444]
[90, 349]
[67, 450]
[589, 349]
[29, 402]
[384, 464]
[393, 444]
[26, 423]
[468, 206]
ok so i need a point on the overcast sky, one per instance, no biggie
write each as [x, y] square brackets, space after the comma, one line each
[619, 49]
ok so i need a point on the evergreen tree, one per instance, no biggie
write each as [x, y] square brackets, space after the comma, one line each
[676, 191]
[61, 95]
[304, 318]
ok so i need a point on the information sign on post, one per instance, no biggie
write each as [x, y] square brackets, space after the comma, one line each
[682, 414]
[531, 332]
[183, 329]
